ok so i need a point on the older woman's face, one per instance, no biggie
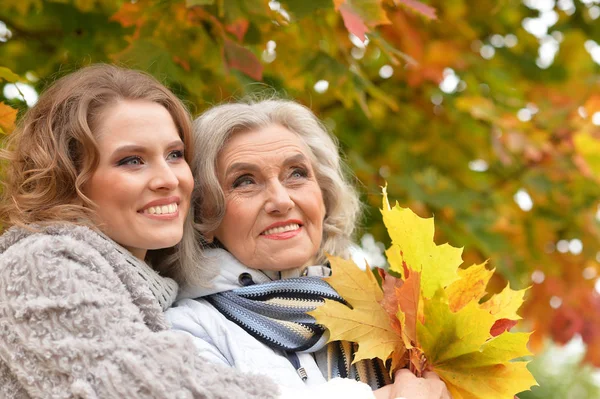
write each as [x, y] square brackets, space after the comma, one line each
[274, 206]
[142, 185]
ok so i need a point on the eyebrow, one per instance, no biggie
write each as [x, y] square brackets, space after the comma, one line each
[142, 149]
[234, 167]
[298, 158]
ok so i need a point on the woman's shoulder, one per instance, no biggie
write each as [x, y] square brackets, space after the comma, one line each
[37, 235]
[41, 249]
[18, 242]
[62, 239]
[32, 250]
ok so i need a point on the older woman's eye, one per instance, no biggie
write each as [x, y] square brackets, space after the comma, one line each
[174, 155]
[243, 181]
[299, 173]
[132, 161]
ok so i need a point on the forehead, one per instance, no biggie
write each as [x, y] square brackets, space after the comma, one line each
[135, 120]
[268, 142]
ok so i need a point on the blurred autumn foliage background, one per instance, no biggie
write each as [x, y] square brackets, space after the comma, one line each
[484, 113]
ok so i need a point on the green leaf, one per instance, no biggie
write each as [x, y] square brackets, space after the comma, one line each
[301, 9]
[192, 3]
[8, 75]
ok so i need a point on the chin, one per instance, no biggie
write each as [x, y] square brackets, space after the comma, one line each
[285, 263]
[165, 242]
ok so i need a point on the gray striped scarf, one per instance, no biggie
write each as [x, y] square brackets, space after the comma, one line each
[275, 314]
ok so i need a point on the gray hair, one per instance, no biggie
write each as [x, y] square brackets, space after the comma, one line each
[214, 127]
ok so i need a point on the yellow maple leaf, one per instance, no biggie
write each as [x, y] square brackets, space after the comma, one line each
[439, 323]
[489, 373]
[445, 335]
[505, 304]
[366, 323]
[460, 349]
[413, 247]
[589, 148]
[469, 287]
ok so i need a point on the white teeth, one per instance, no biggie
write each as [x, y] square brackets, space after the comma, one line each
[282, 229]
[161, 210]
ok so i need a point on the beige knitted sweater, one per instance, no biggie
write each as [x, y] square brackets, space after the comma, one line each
[81, 319]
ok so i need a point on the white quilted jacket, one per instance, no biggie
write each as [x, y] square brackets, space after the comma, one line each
[222, 341]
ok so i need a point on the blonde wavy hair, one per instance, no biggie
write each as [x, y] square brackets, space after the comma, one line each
[53, 153]
[212, 130]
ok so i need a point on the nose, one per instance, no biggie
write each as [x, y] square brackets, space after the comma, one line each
[278, 198]
[163, 177]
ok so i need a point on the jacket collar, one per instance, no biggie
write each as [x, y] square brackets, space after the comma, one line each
[231, 273]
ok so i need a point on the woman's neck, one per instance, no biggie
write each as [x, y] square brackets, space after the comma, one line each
[137, 252]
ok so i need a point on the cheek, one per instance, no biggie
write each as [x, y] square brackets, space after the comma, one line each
[186, 187]
[316, 206]
[319, 221]
[113, 191]
[99, 186]
[186, 179]
[238, 220]
[241, 213]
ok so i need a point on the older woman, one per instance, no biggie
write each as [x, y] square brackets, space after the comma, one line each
[98, 183]
[272, 200]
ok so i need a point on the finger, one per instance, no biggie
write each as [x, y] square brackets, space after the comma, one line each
[436, 383]
[446, 393]
[383, 393]
[404, 375]
[431, 375]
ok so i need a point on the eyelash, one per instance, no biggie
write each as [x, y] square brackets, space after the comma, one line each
[179, 154]
[238, 182]
[302, 171]
[126, 161]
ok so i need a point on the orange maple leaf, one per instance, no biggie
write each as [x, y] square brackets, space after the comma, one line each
[8, 116]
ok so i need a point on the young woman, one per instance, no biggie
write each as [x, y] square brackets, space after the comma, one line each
[272, 200]
[96, 194]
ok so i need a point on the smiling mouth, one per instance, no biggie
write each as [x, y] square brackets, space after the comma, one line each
[281, 229]
[161, 209]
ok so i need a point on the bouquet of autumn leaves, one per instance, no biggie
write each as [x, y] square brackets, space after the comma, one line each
[432, 318]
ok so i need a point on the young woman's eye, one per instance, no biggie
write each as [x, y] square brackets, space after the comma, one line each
[242, 181]
[133, 161]
[173, 155]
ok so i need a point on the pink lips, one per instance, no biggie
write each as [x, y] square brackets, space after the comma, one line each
[285, 235]
[166, 216]
[162, 202]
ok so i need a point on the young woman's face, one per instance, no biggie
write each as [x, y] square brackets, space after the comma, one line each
[143, 184]
[274, 206]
